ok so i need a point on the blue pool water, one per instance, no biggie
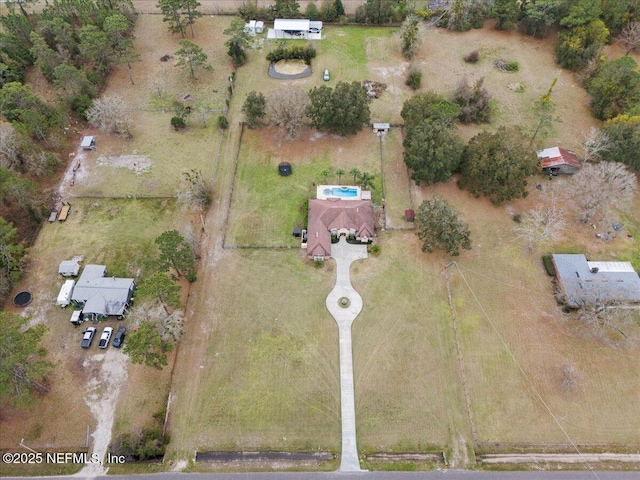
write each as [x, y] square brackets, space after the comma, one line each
[343, 192]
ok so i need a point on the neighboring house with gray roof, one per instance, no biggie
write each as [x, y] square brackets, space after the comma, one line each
[587, 283]
[101, 295]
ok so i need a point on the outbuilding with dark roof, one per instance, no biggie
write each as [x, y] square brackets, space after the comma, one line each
[587, 283]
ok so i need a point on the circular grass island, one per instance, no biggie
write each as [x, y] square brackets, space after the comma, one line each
[344, 302]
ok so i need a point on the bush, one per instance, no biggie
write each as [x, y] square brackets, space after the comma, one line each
[474, 100]
[81, 103]
[547, 261]
[507, 66]
[414, 78]
[223, 123]
[299, 52]
[512, 66]
[318, 263]
[374, 250]
[473, 57]
[178, 122]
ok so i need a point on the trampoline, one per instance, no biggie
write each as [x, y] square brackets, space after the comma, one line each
[284, 169]
[22, 299]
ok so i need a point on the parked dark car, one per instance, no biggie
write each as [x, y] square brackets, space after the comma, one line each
[118, 340]
[87, 337]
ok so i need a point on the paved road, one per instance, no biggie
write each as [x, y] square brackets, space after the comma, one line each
[344, 255]
[435, 475]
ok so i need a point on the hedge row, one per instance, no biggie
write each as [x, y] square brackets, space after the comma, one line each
[292, 52]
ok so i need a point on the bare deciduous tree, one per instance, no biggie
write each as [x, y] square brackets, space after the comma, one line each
[595, 142]
[40, 162]
[110, 114]
[570, 377]
[197, 192]
[598, 188]
[286, 108]
[609, 320]
[170, 322]
[541, 224]
[9, 148]
[630, 37]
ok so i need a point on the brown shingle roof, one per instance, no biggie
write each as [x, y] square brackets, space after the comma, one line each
[336, 214]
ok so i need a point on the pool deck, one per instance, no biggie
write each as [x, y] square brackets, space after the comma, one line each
[321, 195]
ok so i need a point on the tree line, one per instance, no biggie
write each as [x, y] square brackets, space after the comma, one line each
[74, 45]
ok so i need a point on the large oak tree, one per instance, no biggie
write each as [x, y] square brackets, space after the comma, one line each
[438, 226]
[497, 165]
[342, 110]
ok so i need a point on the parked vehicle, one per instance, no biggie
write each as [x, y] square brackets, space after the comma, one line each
[64, 297]
[118, 340]
[87, 337]
[105, 337]
[325, 75]
[77, 317]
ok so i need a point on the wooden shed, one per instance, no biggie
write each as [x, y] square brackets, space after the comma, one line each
[409, 215]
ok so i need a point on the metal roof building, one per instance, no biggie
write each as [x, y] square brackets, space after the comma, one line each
[102, 296]
[587, 283]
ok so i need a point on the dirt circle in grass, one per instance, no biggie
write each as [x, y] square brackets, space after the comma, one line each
[344, 302]
[289, 69]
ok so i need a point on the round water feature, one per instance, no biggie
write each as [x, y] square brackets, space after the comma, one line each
[22, 299]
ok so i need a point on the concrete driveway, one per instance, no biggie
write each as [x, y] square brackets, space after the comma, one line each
[345, 254]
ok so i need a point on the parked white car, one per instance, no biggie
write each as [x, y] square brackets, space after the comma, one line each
[105, 337]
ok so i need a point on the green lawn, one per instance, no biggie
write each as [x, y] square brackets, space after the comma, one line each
[268, 377]
[408, 393]
[266, 206]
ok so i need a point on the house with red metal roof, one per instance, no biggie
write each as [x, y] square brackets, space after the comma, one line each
[557, 160]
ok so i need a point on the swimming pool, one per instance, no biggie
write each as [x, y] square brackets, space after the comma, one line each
[350, 192]
[342, 192]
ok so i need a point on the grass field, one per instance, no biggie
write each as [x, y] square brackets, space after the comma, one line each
[397, 180]
[267, 206]
[151, 164]
[509, 321]
[270, 377]
[408, 393]
[258, 366]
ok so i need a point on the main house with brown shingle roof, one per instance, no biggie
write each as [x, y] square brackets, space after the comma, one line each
[337, 216]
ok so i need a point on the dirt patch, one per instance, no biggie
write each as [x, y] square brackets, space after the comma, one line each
[290, 67]
[137, 163]
[101, 395]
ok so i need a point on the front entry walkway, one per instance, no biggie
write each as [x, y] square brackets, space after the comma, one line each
[344, 303]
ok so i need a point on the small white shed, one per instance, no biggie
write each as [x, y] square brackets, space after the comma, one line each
[381, 127]
[64, 297]
[88, 142]
[69, 268]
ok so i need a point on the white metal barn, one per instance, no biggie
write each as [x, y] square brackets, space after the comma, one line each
[288, 28]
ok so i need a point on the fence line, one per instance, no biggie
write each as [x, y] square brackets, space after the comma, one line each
[121, 197]
[233, 186]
